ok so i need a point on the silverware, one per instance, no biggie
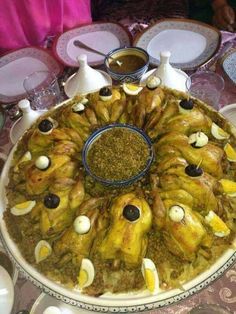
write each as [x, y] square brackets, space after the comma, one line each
[80, 44]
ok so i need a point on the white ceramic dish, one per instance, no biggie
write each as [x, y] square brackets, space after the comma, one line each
[86, 79]
[151, 72]
[191, 43]
[229, 65]
[17, 65]
[6, 292]
[229, 112]
[15, 271]
[103, 37]
[131, 302]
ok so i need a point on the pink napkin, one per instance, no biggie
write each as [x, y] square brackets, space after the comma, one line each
[29, 22]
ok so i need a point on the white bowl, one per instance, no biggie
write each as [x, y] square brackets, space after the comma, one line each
[229, 112]
[6, 292]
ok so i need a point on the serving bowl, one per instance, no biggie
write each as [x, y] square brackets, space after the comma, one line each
[106, 129]
[133, 301]
[135, 62]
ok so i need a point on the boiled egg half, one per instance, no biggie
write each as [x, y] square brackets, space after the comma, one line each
[42, 250]
[86, 273]
[150, 275]
[132, 89]
[217, 225]
[22, 208]
[218, 132]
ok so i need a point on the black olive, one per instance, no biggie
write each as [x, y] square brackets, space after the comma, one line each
[186, 104]
[131, 212]
[105, 91]
[193, 171]
[51, 200]
[194, 145]
[45, 125]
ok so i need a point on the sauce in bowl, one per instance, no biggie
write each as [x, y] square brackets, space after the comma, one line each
[130, 63]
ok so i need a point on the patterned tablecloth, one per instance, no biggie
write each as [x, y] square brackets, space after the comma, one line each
[222, 291]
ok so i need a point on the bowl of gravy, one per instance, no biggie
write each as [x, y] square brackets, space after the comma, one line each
[133, 62]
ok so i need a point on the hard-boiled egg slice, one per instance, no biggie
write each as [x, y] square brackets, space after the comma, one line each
[131, 89]
[78, 107]
[217, 225]
[22, 208]
[82, 224]
[199, 139]
[86, 273]
[42, 250]
[150, 275]
[229, 187]
[230, 152]
[218, 133]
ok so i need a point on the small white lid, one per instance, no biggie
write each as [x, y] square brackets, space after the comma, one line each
[86, 79]
[170, 76]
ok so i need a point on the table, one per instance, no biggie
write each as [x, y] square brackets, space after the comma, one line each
[222, 291]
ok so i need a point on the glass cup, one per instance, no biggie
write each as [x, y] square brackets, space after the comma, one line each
[206, 86]
[42, 89]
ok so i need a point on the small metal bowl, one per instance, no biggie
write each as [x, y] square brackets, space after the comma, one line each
[127, 77]
[118, 183]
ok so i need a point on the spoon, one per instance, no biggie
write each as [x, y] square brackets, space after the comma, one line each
[79, 44]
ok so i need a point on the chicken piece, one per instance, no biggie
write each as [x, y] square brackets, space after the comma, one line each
[37, 181]
[209, 156]
[201, 188]
[182, 237]
[126, 239]
[151, 99]
[40, 143]
[55, 220]
[79, 245]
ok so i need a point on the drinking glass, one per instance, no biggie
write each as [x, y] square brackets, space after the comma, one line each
[206, 86]
[42, 89]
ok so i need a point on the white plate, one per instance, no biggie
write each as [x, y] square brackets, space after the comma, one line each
[124, 303]
[6, 292]
[103, 37]
[17, 65]
[15, 271]
[229, 65]
[45, 300]
[191, 43]
[229, 112]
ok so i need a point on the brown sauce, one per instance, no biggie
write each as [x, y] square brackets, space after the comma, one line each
[130, 63]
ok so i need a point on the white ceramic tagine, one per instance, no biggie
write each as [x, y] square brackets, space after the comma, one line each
[86, 79]
[170, 76]
[28, 118]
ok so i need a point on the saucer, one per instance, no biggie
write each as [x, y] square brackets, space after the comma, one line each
[6, 292]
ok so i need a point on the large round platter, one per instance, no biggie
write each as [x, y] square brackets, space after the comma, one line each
[191, 43]
[114, 303]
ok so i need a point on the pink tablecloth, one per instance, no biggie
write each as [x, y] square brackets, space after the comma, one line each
[222, 291]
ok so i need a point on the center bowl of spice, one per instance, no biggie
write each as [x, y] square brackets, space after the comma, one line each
[117, 154]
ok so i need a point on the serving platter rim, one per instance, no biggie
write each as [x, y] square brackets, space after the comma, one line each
[111, 303]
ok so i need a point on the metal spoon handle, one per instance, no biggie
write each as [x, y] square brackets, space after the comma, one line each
[79, 44]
